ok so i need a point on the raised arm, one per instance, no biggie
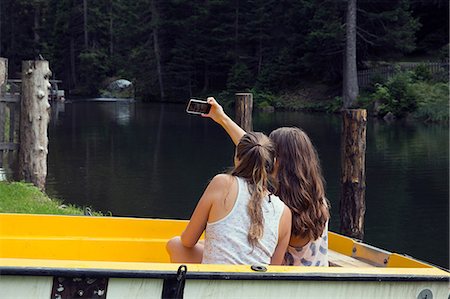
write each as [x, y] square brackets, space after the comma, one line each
[218, 115]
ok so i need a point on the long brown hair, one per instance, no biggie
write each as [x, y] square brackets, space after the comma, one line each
[299, 180]
[255, 154]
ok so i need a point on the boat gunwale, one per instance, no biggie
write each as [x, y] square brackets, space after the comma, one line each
[206, 275]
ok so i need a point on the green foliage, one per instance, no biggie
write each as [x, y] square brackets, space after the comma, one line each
[206, 46]
[324, 41]
[432, 38]
[94, 67]
[334, 106]
[365, 100]
[374, 80]
[381, 93]
[239, 78]
[226, 99]
[396, 96]
[263, 99]
[432, 101]
[444, 52]
[412, 92]
[421, 73]
[388, 28]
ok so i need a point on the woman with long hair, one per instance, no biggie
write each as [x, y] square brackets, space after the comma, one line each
[299, 183]
[243, 222]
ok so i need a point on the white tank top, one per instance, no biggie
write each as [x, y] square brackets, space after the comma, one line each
[226, 239]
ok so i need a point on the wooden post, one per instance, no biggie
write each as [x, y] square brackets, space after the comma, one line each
[3, 73]
[3, 78]
[34, 119]
[353, 148]
[244, 108]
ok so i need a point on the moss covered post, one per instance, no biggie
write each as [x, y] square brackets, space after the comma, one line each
[34, 119]
[353, 180]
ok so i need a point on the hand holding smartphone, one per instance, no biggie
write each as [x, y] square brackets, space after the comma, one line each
[198, 107]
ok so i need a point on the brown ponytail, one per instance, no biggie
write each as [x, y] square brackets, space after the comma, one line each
[255, 154]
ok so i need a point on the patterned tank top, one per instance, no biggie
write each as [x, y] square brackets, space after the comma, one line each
[315, 253]
[226, 239]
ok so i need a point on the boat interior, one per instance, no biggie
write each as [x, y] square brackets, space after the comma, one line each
[116, 239]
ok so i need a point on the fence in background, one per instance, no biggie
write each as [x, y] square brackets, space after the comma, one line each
[9, 118]
[366, 77]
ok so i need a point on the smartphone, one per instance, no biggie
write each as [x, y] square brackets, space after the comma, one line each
[198, 107]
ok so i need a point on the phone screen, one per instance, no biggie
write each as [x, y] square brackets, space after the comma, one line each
[198, 107]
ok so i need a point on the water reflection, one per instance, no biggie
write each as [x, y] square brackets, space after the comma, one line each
[139, 169]
[154, 161]
[58, 109]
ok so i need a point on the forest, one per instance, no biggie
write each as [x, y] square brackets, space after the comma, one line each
[174, 49]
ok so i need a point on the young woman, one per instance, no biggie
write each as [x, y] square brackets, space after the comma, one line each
[299, 184]
[243, 222]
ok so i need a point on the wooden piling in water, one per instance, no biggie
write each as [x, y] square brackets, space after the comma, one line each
[353, 180]
[34, 119]
[244, 109]
[3, 73]
[3, 78]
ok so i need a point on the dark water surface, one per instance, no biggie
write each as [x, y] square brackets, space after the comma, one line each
[152, 160]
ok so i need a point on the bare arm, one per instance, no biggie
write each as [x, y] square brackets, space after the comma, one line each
[199, 218]
[218, 115]
[284, 234]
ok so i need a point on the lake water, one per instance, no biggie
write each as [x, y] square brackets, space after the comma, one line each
[153, 160]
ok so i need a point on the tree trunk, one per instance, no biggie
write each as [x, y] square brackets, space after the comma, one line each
[111, 32]
[36, 37]
[260, 56]
[3, 78]
[1, 28]
[13, 50]
[350, 76]
[73, 73]
[190, 84]
[236, 32]
[206, 78]
[85, 23]
[34, 121]
[244, 109]
[156, 48]
[353, 148]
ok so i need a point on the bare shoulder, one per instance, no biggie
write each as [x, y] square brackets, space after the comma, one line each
[221, 180]
[286, 221]
[220, 193]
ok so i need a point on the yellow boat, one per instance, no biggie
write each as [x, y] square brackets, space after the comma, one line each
[43, 256]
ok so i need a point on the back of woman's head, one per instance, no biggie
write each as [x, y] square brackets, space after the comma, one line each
[299, 181]
[255, 155]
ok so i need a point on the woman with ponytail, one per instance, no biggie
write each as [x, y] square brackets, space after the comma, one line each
[299, 184]
[243, 222]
